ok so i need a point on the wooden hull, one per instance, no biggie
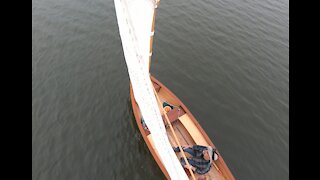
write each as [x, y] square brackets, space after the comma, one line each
[186, 127]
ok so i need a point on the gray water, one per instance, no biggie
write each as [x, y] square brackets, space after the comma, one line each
[227, 60]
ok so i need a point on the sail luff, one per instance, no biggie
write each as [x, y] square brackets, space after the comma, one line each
[151, 38]
[135, 21]
[152, 31]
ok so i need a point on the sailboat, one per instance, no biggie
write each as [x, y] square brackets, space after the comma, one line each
[163, 120]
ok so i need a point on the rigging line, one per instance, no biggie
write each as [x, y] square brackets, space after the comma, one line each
[175, 137]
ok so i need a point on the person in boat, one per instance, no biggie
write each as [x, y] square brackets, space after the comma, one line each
[202, 157]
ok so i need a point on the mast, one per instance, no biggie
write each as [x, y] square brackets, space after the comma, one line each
[135, 20]
[157, 2]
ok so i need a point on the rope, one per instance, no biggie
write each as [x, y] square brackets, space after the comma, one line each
[174, 135]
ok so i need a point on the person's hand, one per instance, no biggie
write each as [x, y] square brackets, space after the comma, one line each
[193, 168]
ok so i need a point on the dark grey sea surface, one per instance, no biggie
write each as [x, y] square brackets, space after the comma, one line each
[227, 60]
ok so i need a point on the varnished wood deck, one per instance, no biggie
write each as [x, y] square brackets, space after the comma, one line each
[188, 132]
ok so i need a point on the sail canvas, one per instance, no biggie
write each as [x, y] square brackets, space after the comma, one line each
[135, 18]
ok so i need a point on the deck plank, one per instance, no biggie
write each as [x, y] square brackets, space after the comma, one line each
[193, 130]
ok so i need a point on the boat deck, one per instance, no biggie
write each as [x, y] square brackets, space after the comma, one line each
[187, 134]
[187, 130]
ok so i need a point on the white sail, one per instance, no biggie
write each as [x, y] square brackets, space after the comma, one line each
[135, 20]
